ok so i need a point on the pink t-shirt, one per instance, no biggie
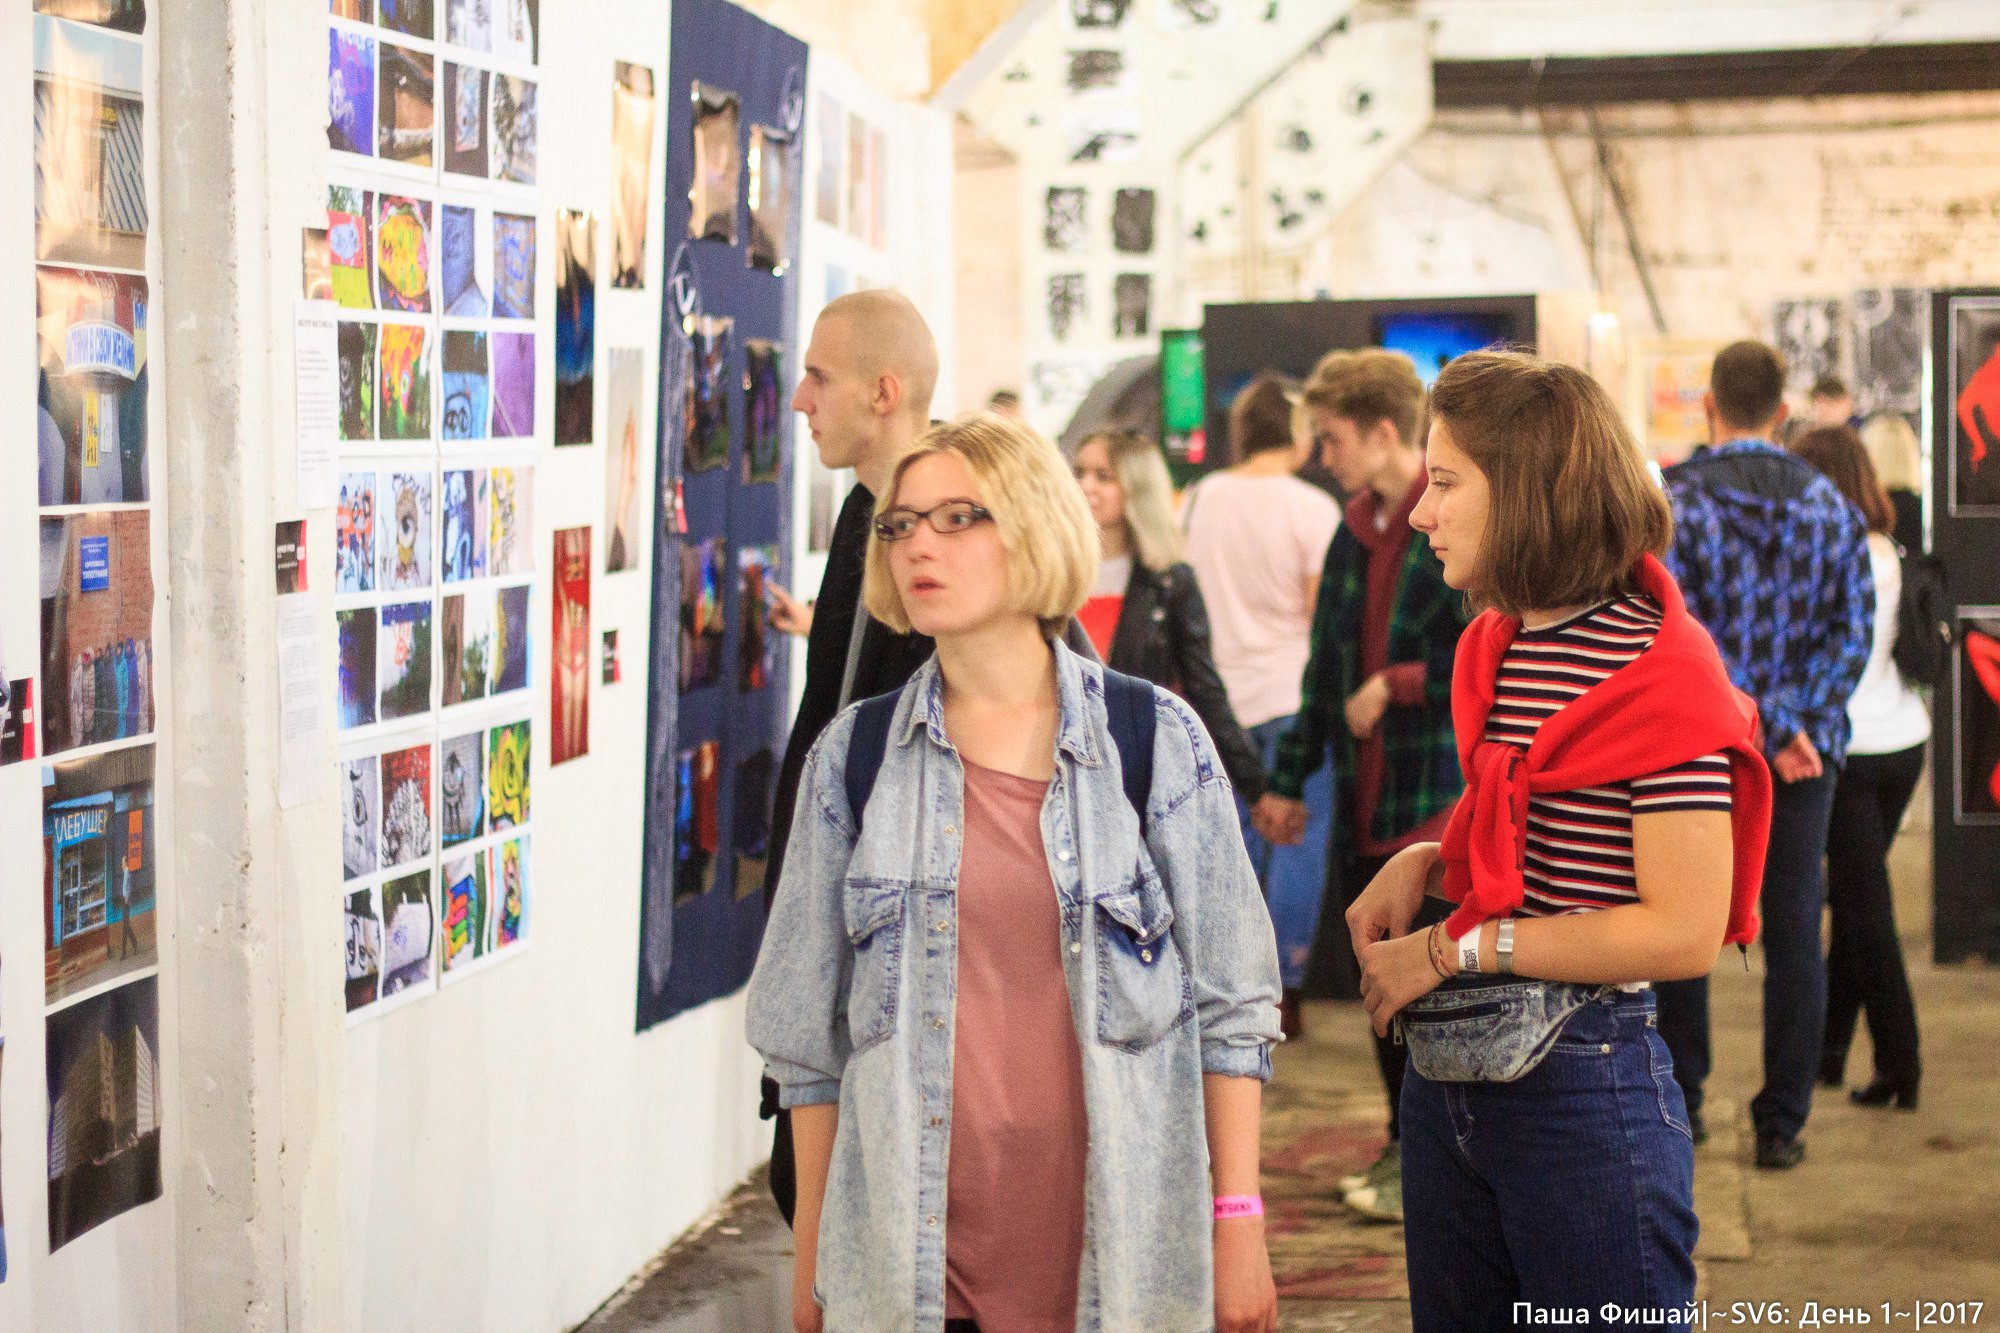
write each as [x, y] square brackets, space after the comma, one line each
[1013, 1238]
[1256, 543]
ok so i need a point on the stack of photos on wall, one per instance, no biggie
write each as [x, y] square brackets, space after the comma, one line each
[437, 247]
[81, 699]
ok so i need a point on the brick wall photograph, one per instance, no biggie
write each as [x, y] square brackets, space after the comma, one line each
[97, 628]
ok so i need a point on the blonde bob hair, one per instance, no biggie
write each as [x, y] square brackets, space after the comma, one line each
[1037, 507]
[1150, 524]
[1893, 449]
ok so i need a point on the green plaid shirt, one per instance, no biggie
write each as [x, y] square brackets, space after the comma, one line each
[1421, 775]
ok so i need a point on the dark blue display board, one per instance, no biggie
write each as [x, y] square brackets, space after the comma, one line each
[708, 810]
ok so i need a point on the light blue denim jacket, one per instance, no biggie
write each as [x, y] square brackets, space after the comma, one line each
[1172, 973]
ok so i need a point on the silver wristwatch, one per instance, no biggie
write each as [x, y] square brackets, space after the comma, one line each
[1503, 946]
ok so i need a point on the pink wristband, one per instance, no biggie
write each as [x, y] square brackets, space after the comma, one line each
[1238, 1205]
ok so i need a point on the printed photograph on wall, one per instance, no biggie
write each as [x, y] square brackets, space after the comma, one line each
[105, 1106]
[1192, 15]
[631, 172]
[406, 806]
[406, 544]
[507, 775]
[1063, 218]
[403, 667]
[364, 950]
[405, 115]
[511, 497]
[878, 188]
[360, 818]
[697, 819]
[513, 133]
[707, 411]
[465, 646]
[1107, 132]
[462, 516]
[1066, 305]
[350, 245]
[830, 122]
[465, 261]
[469, 23]
[718, 165]
[752, 840]
[763, 409]
[354, 534]
[1098, 15]
[355, 346]
[98, 906]
[468, 385]
[1807, 335]
[855, 182]
[97, 628]
[403, 388]
[1132, 221]
[360, 11]
[757, 566]
[510, 891]
[413, 18]
[770, 199]
[407, 933]
[514, 260]
[513, 415]
[569, 647]
[90, 341]
[465, 910]
[122, 15]
[614, 670]
[1097, 70]
[1132, 294]
[510, 640]
[355, 631]
[1974, 358]
[466, 112]
[1889, 327]
[629, 437]
[315, 265]
[403, 254]
[517, 26]
[18, 727]
[704, 565]
[90, 166]
[1978, 723]
[576, 325]
[461, 789]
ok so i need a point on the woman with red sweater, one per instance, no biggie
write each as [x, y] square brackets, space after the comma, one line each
[1611, 835]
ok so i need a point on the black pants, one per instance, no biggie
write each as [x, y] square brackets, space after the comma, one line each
[1864, 965]
[1390, 1056]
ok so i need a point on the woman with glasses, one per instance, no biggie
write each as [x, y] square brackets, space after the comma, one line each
[1021, 1016]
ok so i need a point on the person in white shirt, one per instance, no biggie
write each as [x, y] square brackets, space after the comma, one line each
[1864, 964]
[1257, 539]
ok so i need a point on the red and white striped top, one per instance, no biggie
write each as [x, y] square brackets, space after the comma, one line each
[1579, 853]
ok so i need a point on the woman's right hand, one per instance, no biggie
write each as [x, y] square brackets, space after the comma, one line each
[1389, 904]
[807, 1317]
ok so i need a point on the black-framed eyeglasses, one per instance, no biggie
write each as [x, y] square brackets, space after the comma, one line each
[948, 519]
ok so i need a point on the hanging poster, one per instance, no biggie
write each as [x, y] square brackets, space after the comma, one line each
[408, 932]
[467, 110]
[468, 385]
[630, 433]
[350, 245]
[360, 818]
[576, 325]
[770, 198]
[569, 647]
[1978, 723]
[514, 260]
[704, 566]
[510, 892]
[123, 15]
[97, 637]
[1807, 335]
[465, 259]
[631, 172]
[707, 411]
[507, 775]
[90, 335]
[763, 419]
[758, 566]
[514, 135]
[97, 887]
[1974, 361]
[614, 670]
[105, 1107]
[513, 413]
[405, 116]
[90, 179]
[364, 950]
[718, 165]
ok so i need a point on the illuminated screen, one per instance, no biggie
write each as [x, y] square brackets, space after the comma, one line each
[1431, 338]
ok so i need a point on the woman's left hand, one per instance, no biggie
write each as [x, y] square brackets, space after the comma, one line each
[1393, 973]
[1246, 1300]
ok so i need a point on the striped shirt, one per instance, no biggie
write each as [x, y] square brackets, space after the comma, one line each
[1579, 853]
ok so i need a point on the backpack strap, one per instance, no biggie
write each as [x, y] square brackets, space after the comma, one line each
[865, 748]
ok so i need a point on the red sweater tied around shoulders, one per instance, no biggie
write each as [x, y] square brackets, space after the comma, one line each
[1672, 704]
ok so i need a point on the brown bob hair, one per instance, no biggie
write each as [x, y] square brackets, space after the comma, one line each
[1838, 452]
[1368, 386]
[1260, 417]
[1572, 506]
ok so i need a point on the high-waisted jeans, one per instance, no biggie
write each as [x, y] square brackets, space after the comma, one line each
[1570, 1188]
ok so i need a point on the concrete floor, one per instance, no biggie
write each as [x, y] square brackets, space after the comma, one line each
[1888, 1206]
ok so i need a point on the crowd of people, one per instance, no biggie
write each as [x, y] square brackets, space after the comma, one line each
[1080, 763]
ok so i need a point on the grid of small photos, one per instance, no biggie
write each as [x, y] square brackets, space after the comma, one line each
[1068, 229]
[92, 703]
[433, 225]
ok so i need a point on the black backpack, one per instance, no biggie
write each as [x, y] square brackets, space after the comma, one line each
[1128, 704]
[1923, 620]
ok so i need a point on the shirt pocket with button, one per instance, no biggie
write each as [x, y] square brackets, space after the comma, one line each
[875, 926]
[1143, 990]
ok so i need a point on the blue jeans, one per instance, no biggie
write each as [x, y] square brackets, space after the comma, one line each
[1571, 1187]
[1793, 898]
[1293, 878]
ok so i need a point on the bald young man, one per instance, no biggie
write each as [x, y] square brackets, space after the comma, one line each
[866, 395]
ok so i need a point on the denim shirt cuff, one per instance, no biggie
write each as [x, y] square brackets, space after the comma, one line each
[1238, 1061]
[817, 1093]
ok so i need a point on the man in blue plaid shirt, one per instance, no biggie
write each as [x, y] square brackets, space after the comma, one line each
[1773, 559]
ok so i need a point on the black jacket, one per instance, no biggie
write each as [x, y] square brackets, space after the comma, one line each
[1163, 637]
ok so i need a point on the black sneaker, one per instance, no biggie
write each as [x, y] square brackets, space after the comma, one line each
[1775, 1152]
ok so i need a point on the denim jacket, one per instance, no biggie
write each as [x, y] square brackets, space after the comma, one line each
[1172, 972]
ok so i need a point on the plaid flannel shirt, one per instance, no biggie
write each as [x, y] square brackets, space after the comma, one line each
[1421, 774]
[1773, 560]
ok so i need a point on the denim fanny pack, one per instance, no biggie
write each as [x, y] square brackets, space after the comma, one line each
[1489, 1031]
